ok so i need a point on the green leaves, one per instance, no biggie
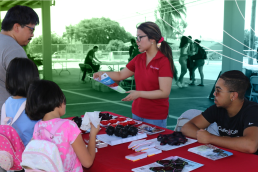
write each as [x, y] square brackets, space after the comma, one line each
[97, 31]
[173, 16]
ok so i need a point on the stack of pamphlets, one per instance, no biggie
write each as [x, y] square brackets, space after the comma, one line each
[136, 156]
[143, 146]
[134, 143]
[210, 151]
[152, 151]
[146, 147]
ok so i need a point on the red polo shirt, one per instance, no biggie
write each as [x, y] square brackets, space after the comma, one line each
[146, 79]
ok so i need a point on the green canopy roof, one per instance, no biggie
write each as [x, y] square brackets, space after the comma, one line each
[7, 4]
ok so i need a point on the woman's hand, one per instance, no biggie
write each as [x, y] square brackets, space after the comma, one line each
[132, 96]
[97, 75]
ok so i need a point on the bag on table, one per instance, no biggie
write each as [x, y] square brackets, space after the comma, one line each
[42, 153]
[11, 146]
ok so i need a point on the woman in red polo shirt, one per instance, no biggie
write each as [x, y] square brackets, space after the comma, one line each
[153, 75]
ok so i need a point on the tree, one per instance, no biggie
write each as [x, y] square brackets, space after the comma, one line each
[36, 44]
[70, 33]
[116, 45]
[98, 31]
[174, 17]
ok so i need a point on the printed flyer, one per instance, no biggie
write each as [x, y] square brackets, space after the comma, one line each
[106, 80]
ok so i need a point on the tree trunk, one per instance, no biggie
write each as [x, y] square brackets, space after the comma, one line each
[252, 33]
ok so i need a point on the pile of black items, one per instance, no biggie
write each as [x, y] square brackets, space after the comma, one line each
[121, 131]
[170, 165]
[175, 138]
[105, 116]
[78, 121]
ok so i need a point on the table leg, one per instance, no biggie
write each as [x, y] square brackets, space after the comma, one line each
[64, 69]
[53, 65]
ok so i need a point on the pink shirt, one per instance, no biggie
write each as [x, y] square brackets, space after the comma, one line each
[63, 139]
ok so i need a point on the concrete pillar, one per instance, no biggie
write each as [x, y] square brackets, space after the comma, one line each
[0, 20]
[234, 24]
[46, 44]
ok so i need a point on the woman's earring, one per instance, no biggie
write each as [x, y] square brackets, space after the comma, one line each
[151, 42]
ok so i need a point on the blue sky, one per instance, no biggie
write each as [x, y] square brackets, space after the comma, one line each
[129, 13]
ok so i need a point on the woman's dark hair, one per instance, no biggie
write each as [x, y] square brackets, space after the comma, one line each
[95, 47]
[153, 32]
[43, 97]
[22, 15]
[19, 75]
[236, 81]
[184, 41]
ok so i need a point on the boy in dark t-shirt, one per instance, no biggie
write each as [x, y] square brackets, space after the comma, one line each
[236, 117]
[233, 126]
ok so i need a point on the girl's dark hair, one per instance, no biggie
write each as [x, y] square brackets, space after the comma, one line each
[19, 75]
[184, 41]
[22, 15]
[43, 97]
[153, 32]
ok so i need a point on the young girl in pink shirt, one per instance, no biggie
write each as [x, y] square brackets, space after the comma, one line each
[46, 102]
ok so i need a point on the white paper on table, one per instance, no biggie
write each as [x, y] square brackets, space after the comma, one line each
[106, 80]
[114, 140]
[92, 117]
[190, 167]
[170, 147]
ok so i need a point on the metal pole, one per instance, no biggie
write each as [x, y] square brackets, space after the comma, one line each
[0, 20]
[46, 35]
[252, 34]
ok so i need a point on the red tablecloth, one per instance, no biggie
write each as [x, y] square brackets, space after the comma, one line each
[112, 158]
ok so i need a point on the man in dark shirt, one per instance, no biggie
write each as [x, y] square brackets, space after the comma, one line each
[236, 117]
[133, 50]
[90, 61]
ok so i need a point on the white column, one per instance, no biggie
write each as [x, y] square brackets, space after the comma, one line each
[234, 24]
[46, 43]
[0, 19]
